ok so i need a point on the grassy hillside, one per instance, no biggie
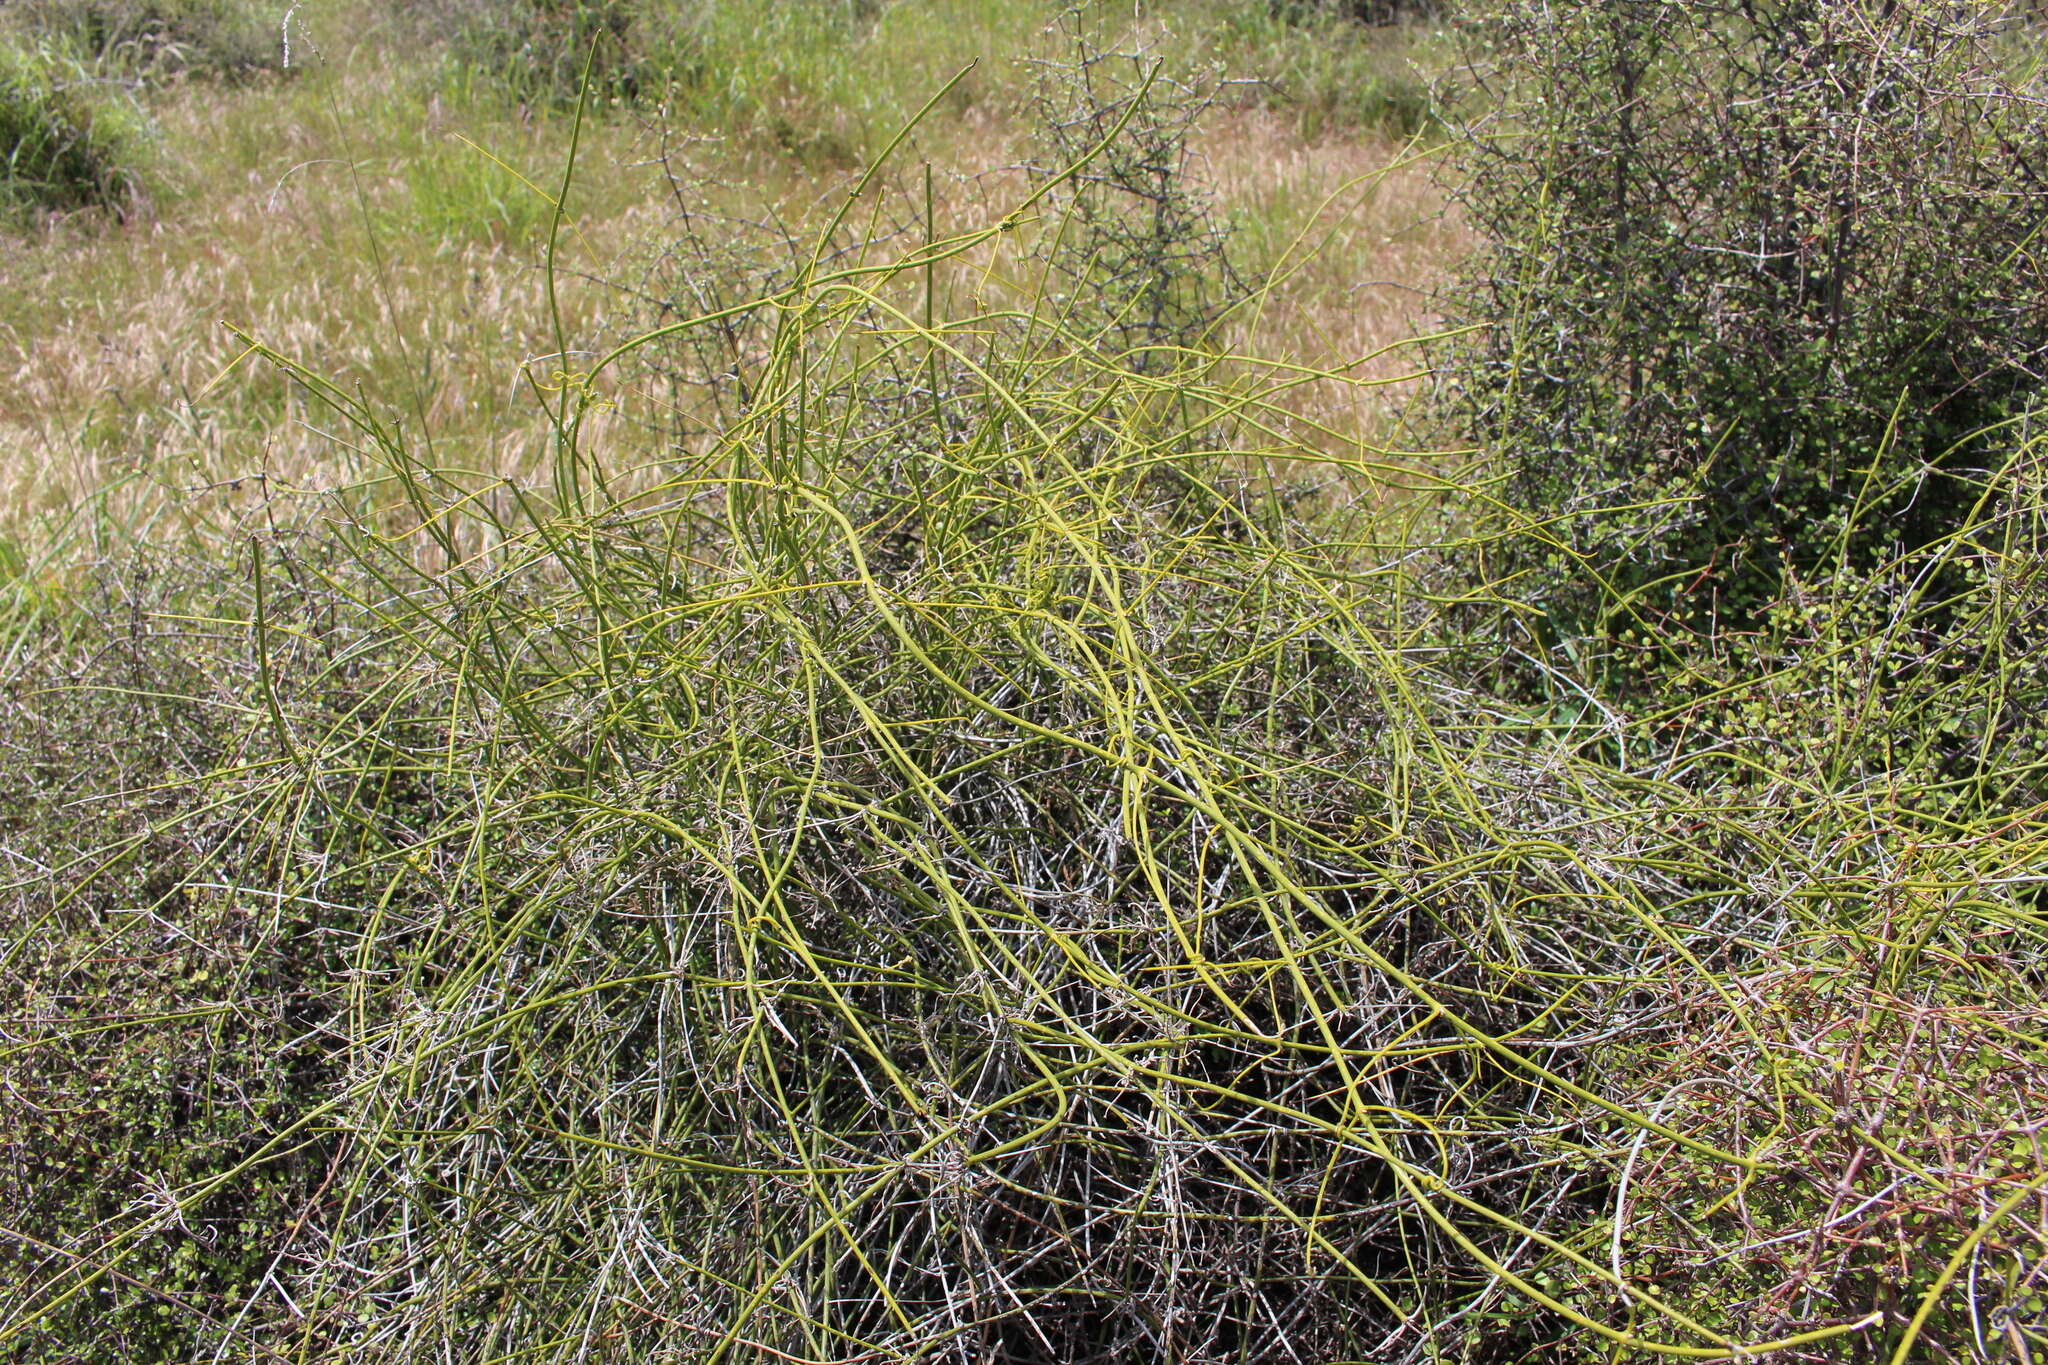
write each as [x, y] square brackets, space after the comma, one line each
[964, 682]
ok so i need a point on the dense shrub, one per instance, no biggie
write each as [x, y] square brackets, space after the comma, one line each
[172, 964]
[68, 138]
[947, 880]
[1759, 276]
[940, 856]
[945, 868]
[1897, 1152]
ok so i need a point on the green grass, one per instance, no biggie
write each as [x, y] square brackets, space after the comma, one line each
[466, 192]
[830, 83]
[163, 40]
[69, 137]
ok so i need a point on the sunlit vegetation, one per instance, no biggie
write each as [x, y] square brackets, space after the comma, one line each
[892, 681]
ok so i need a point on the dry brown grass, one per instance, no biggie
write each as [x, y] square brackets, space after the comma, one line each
[114, 336]
[1356, 239]
[292, 224]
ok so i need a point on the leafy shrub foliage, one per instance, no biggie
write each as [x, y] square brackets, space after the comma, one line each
[169, 967]
[1923, 673]
[1762, 277]
[1756, 368]
[1896, 1159]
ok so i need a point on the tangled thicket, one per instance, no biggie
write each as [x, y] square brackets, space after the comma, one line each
[1763, 282]
[975, 856]
[868, 896]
